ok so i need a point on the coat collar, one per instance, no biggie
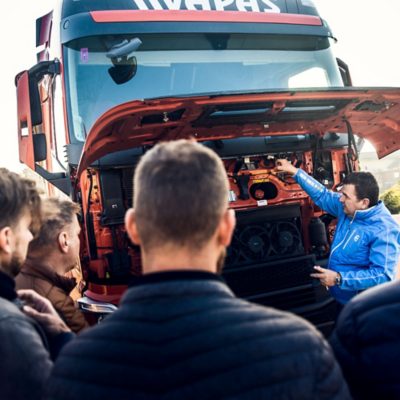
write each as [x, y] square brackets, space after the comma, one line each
[174, 275]
[7, 287]
[42, 271]
[369, 212]
[176, 283]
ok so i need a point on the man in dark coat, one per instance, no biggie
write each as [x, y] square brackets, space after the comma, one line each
[366, 342]
[180, 333]
[53, 253]
[26, 352]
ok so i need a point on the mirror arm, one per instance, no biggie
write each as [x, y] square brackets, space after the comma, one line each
[38, 71]
[36, 74]
[59, 179]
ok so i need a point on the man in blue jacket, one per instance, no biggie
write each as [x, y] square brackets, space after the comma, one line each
[366, 246]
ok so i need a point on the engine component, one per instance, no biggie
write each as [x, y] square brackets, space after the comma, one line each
[243, 184]
[286, 238]
[317, 233]
[232, 196]
[111, 192]
[265, 281]
[254, 242]
[323, 168]
[318, 237]
[265, 235]
[263, 191]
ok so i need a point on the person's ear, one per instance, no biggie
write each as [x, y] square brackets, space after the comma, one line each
[63, 242]
[365, 203]
[6, 240]
[226, 227]
[131, 227]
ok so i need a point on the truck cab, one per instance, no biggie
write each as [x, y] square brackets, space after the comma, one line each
[253, 80]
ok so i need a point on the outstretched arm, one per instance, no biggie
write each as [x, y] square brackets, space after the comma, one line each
[322, 197]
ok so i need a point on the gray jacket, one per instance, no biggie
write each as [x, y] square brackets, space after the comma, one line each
[25, 360]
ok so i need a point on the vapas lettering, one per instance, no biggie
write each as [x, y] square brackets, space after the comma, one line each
[215, 5]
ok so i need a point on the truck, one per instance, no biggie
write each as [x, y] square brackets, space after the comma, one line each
[254, 80]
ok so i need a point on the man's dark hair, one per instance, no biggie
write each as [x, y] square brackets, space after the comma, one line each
[57, 214]
[366, 186]
[180, 195]
[17, 196]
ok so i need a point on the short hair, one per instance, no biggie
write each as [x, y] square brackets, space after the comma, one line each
[366, 186]
[180, 194]
[18, 195]
[57, 214]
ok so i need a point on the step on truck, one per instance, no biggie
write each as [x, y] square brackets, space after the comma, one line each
[254, 80]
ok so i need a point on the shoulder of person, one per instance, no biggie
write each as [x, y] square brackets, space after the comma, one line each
[10, 309]
[15, 323]
[372, 305]
[281, 322]
[57, 295]
[367, 320]
[375, 297]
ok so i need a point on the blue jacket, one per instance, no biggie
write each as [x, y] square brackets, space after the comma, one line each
[366, 247]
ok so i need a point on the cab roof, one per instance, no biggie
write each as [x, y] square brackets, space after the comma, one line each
[304, 7]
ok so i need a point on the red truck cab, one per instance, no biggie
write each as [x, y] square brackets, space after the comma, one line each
[253, 80]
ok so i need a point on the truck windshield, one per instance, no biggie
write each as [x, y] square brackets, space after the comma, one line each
[192, 64]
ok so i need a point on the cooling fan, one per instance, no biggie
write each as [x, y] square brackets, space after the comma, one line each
[285, 238]
[254, 243]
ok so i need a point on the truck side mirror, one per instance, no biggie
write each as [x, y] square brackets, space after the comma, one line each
[25, 127]
[344, 72]
[29, 91]
[36, 74]
[33, 144]
[39, 147]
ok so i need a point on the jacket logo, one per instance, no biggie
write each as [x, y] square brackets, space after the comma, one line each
[356, 238]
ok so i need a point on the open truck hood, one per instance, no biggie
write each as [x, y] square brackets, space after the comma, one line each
[374, 114]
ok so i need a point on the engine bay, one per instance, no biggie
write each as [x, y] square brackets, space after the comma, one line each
[279, 237]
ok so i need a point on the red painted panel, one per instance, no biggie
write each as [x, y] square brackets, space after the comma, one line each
[372, 112]
[203, 16]
[24, 119]
[43, 29]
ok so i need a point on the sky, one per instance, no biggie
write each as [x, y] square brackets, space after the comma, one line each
[368, 33]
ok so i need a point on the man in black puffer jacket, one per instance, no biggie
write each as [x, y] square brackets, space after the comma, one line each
[180, 333]
[367, 343]
[27, 348]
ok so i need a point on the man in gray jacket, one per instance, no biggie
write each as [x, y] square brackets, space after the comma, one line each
[26, 352]
[180, 333]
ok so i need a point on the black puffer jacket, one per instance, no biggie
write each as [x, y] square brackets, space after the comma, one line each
[183, 335]
[367, 343]
[25, 352]
[25, 361]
